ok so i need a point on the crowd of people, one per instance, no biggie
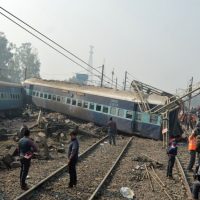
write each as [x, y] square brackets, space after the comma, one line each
[27, 147]
[194, 152]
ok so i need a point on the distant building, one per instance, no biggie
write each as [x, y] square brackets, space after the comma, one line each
[81, 78]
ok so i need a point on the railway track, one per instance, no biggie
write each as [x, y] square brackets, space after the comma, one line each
[102, 179]
[97, 152]
[167, 189]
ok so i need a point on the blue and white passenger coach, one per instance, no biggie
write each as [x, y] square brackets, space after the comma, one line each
[11, 96]
[96, 104]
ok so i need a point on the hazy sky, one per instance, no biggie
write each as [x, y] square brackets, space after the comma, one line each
[157, 41]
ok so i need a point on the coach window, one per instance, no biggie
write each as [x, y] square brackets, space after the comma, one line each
[54, 97]
[85, 104]
[41, 95]
[98, 108]
[68, 100]
[37, 94]
[11, 96]
[73, 102]
[121, 112]
[33, 93]
[129, 114]
[79, 103]
[45, 96]
[58, 98]
[91, 106]
[105, 109]
[49, 96]
[18, 96]
[113, 111]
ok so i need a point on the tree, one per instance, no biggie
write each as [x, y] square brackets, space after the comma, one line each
[29, 63]
[17, 63]
[5, 57]
[14, 70]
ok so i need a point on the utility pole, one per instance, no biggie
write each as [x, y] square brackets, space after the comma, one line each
[112, 77]
[190, 95]
[116, 84]
[125, 80]
[102, 73]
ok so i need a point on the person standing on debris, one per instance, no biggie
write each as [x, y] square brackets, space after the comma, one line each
[22, 130]
[172, 152]
[73, 158]
[196, 184]
[192, 149]
[26, 149]
[112, 131]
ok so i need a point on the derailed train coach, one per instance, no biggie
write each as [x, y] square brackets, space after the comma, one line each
[96, 104]
[11, 96]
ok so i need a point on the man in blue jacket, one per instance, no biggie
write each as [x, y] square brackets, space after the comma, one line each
[26, 149]
[172, 152]
[73, 158]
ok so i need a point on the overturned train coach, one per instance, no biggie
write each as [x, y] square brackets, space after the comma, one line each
[97, 105]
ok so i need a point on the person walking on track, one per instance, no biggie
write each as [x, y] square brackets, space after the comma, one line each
[112, 131]
[73, 158]
[192, 149]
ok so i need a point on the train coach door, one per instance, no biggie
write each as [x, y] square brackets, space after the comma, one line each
[29, 93]
[134, 124]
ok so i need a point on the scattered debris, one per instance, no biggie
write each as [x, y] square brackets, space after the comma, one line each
[127, 192]
[61, 150]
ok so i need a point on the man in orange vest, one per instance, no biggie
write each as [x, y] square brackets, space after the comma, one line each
[192, 148]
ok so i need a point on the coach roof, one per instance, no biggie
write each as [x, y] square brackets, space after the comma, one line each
[7, 84]
[99, 91]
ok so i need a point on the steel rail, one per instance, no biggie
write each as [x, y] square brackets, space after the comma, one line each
[95, 193]
[187, 187]
[29, 193]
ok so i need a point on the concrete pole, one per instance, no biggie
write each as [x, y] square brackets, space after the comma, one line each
[125, 80]
[102, 73]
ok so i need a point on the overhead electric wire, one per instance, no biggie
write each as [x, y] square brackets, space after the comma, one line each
[48, 38]
[42, 41]
[50, 41]
[131, 75]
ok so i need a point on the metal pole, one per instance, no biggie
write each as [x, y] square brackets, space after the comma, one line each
[125, 80]
[112, 77]
[102, 75]
[189, 96]
[116, 84]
